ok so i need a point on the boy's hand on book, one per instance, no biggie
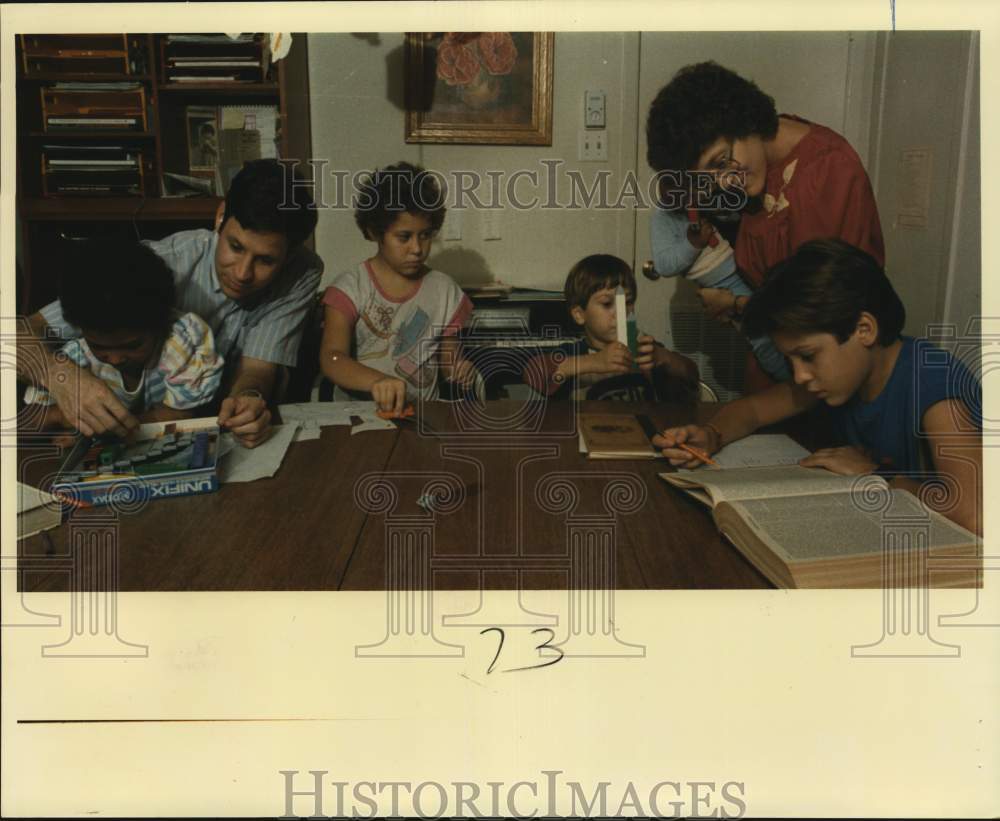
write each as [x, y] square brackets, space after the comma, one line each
[89, 405]
[247, 417]
[614, 358]
[702, 438]
[389, 394]
[847, 461]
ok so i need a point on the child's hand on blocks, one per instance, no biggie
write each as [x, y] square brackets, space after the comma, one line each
[88, 404]
[389, 394]
[614, 358]
[701, 437]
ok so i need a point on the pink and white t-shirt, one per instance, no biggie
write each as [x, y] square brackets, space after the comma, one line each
[400, 336]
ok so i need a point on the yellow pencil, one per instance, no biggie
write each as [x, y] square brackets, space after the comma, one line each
[700, 455]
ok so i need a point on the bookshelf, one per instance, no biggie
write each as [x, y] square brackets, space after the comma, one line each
[107, 123]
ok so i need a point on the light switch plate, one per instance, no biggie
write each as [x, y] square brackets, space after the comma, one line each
[593, 146]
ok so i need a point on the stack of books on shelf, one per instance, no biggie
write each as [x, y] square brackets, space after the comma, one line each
[91, 170]
[82, 54]
[94, 106]
[214, 58]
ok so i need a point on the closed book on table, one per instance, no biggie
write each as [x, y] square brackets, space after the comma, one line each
[612, 436]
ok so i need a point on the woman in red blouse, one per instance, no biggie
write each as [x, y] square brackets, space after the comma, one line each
[801, 180]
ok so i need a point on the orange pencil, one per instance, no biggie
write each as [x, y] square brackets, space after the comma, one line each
[700, 455]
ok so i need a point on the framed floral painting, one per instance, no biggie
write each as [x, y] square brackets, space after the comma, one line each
[491, 87]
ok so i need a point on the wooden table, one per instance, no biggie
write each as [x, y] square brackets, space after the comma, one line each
[515, 506]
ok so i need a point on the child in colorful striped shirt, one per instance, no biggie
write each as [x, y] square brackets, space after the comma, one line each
[161, 364]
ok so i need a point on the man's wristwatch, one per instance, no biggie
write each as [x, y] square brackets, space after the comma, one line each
[253, 392]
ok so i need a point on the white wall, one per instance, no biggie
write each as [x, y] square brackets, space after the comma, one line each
[883, 92]
[927, 98]
[357, 122]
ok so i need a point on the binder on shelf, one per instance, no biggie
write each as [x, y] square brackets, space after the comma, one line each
[81, 106]
[80, 54]
[92, 170]
[213, 58]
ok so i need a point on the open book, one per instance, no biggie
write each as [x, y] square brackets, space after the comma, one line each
[807, 527]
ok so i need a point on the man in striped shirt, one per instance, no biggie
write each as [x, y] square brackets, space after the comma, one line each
[252, 280]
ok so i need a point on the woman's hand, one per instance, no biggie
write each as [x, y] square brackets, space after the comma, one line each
[718, 303]
[700, 233]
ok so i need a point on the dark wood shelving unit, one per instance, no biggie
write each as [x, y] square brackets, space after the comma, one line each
[46, 222]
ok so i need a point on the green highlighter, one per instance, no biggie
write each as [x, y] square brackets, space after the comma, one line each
[633, 335]
[628, 333]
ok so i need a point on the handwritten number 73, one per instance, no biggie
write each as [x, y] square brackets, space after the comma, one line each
[544, 644]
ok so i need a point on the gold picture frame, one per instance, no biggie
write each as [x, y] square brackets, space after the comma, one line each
[488, 88]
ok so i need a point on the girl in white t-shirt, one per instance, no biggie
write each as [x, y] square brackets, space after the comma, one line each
[391, 324]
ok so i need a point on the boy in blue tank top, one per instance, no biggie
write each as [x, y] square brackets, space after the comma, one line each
[897, 404]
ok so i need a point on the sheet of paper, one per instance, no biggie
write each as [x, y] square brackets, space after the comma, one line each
[761, 450]
[373, 423]
[240, 464]
[327, 413]
[309, 429]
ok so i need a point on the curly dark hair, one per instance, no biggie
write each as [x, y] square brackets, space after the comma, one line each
[595, 273]
[267, 195]
[701, 104]
[113, 285]
[823, 288]
[388, 192]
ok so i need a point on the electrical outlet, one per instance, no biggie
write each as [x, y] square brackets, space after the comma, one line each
[491, 223]
[593, 146]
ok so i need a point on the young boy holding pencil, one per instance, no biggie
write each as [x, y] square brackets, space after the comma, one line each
[897, 404]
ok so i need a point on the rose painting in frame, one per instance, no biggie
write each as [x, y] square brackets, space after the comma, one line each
[491, 87]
